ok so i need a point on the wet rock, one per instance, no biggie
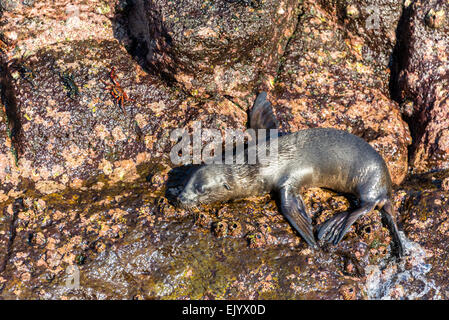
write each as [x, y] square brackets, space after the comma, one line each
[9, 220]
[445, 184]
[74, 134]
[122, 249]
[325, 82]
[373, 21]
[424, 213]
[126, 246]
[421, 78]
[6, 221]
[92, 172]
[435, 19]
[235, 229]
[9, 128]
[9, 5]
[37, 24]
[221, 229]
[214, 47]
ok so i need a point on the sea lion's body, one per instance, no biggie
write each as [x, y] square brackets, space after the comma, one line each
[319, 157]
[330, 158]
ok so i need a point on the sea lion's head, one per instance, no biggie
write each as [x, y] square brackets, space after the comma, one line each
[208, 184]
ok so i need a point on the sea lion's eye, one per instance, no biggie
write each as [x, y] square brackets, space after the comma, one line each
[199, 188]
[226, 186]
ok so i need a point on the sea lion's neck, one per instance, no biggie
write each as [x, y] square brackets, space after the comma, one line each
[245, 181]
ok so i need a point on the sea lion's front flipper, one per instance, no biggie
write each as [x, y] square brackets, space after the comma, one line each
[262, 116]
[293, 209]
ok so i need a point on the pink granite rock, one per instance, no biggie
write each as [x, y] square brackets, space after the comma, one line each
[422, 75]
[325, 82]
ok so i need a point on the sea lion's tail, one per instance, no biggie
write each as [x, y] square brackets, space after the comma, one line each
[262, 116]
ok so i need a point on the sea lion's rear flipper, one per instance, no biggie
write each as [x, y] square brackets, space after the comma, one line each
[293, 209]
[352, 217]
[336, 227]
[331, 228]
[262, 115]
[388, 217]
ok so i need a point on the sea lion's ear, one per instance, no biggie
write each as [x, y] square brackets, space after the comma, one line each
[262, 116]
[226, 186]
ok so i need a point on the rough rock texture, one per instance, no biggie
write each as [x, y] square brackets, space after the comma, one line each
[423, 81]
[325, 82]
[34, 24]
[214, 47]
[74, 134]
[424, 212]
[7, 230]
[87, 184]
[139, 246]
[8, 5]
[375, 21]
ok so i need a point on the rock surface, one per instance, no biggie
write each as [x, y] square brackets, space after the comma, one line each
[424, 214]
[325, 82]
[86, 184]
[74, 135]
[422, 72]
[375, 21]
[214, 47]
[137, 246]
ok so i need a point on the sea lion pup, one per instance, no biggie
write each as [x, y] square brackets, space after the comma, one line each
[319, 157]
